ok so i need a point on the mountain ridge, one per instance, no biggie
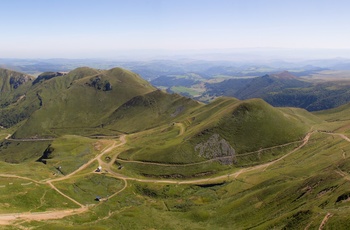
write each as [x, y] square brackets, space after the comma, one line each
[121, 152]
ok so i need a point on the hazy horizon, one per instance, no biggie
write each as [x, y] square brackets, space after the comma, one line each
[162, 28]
[230, 55]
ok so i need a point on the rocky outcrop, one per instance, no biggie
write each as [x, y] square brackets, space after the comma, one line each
[98, 83]
[46, 154]
[178, 110]
[217, 148]
[46, 76]
[16, 81]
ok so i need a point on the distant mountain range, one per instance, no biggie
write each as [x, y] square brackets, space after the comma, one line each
[285, 89]
[153, 68]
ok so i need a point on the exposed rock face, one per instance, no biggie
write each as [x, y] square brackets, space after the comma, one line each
[178, 111]
[16, 81]
[47, 75]
[217, 148]
[99, 84]
[46, 154]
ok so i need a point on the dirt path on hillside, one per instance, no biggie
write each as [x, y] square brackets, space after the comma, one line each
[305, 141]
[197, 181]
[343, 136]
[182, 128]
[31, 140]
[68, 197]
[84, 166]
[202, 162]
[217, 178]
[339, 134]
[324, 221]
[20, 177]
[8, 137]
[257, 167]
[175, 164]
[113, 159]
[8, 219]
[27, 139]
[343, 174]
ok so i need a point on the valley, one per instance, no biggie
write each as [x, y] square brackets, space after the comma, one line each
[167, 162]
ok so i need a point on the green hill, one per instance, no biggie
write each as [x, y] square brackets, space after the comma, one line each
[148, 111]
[227, 130]
[254, 124]
[13, 81]
[286, 90]
[89, 102]
[22, 100]
[336, 114]
[80, 100]
[166, 161]
[259, 87]
[268, 84]
[14, 87]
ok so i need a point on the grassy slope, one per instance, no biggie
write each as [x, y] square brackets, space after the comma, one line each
[35, 96]
[336, 114]
[254, 124]
[12, 96]
[293, 193]
[248, 126]
[19, 152]
[9, 91]
[85, 189]
[18, 195]
[79, 106]
[150, 110]
[336, 120]
[70, 152]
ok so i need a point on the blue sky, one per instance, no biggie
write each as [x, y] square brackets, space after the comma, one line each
[104, 28]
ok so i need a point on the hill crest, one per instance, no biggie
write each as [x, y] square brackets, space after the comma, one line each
[284, 75]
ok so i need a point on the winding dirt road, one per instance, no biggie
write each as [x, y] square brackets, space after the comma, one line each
[217, 178]
[6, 219]
[201, 162]
[182, 128]
[27, 139]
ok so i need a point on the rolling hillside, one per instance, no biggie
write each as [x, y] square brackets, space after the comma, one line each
[89, 102]
[270, 84]
[80, 100]
[212, 138]
[14, 87]
[104, 149]
[286, 90]
[149, 111]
